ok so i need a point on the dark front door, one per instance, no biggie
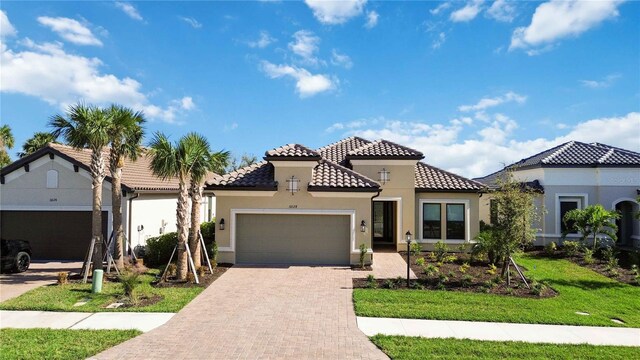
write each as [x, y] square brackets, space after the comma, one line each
[383, 224]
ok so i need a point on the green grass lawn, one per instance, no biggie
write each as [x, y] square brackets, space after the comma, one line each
[400, 347]
[62, 298]
[58, 344]
[580, 289]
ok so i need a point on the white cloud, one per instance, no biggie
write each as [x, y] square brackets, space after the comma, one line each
[130, 10]
[187, 103]
[440, 8]
[502, 10]
[305, 45]
[339, 59]
[263, 41]
[604, 83]
[372, 19]
[356, 124]
[439, 40]
[307, 84]
[47, 72]
[468, 12]
[486, 103]
[70, 30]
[482, 153]
[559, 19]
[191, 21]
[335, 12]
[6, 28]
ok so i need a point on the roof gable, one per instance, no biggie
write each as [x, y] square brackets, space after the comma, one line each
[337, 152]
[258, 176]
[329, 176]
[383, 149]
[292, 152]
[431, 178]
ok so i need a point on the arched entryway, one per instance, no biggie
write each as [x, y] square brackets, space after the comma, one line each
[628, 225]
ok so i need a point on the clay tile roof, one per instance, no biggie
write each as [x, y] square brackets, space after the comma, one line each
[258, 176]
[337, 152]
[384, 149]
[292, 152]
[575, 153]
[329, 176]
[430, 178]
[492, 183]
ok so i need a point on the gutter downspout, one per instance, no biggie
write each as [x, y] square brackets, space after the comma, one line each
[130, 218]
[371, 223]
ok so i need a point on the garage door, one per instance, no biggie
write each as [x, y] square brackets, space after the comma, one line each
[54, 235]
[292, 239]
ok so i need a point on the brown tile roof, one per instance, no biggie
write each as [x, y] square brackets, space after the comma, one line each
[431, 178]
[292, 152]
[337, 152]
[383, 149]
[258, 176]
[329, 176]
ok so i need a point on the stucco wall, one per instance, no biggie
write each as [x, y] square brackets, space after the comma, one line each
[150, 210]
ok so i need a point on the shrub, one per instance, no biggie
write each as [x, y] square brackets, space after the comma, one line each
[129, 280]
[172, 269]
[430, 270]
[486, 246]
[389, 284]
[464, 267]
[371, 282]
[588, 256]
[440, 251]
[363, 254]
[550, 248]
[420, 262]
[415, 248]
[202, 270]
[613, 272]
[492, 270]
[158, 249]
[191, 278]
[449, 258]
[63, 277]
[571, 248]
[610, 255]
[635, 270]
[466, 280]
[442, 279]
[400, 280]
[208, 230]
[537, 288]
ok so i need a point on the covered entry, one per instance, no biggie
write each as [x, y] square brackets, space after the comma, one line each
[293, 239]
[53, 235]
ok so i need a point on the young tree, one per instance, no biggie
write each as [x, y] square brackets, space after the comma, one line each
[125, 134]
[594, 220]
[6, 142]
[87, 126]
[235, 164]
[36, 142]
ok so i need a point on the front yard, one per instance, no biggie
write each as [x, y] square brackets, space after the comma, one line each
[399, 347]
[579, 290]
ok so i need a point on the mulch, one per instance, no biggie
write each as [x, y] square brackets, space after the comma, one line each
[205, 280]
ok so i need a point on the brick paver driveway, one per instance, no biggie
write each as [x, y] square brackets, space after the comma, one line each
[293, 312]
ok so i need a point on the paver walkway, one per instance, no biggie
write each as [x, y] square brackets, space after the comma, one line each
[293, 312]
[40, 273]
[389, 265]
[477, 330]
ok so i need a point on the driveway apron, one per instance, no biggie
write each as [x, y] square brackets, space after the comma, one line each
[296, 312]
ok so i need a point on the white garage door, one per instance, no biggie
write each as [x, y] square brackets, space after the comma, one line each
[292, 239]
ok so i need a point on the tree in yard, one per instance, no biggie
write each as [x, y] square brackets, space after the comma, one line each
[235, 164]
[594, 220]
[125, 134]
[204, 162]
[39, 140]
[87, 126]
[6, 142]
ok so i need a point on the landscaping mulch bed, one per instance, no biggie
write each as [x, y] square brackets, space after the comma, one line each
[141, 302]
[452, 277]
[358, 268]
[205, 280]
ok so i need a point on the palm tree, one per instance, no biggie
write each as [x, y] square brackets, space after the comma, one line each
[593, 220]
[125, 134]
[36, 142]
[6, 142]
[87, 126]
[206, 162]
[167, 161]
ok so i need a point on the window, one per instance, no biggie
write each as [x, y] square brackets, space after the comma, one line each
[493, 211]
[52, 179]
[455, 222]
[431, 221]
[565, 207]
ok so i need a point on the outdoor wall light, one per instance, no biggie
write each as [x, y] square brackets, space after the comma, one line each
[384, 176]
[408, 237]
[221, 224]
[363, 226]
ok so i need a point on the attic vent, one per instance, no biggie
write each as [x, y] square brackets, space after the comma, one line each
[52, 179]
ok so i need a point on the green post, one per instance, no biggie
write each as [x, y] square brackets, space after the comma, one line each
[96, 281]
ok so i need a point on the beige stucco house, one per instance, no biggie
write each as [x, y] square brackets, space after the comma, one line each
[304, 206]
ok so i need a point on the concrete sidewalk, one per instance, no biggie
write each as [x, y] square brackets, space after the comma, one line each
[533, 333]
[83, 320]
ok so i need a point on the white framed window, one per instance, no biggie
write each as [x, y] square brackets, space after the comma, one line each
[52, 179]
[566, 203]
[444, 220]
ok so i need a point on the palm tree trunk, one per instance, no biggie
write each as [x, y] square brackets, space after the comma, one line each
[97, 174]
[183, 229]
[194, 239]
[116, 209]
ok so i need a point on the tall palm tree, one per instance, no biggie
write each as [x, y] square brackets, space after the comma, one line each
[39, 140]
[125, 134]
[87, 126]
[6, 142]
[169, 160]
[206, 162]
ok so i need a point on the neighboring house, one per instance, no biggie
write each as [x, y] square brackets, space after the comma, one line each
[572, 176]
[309, 206]
[46, 198]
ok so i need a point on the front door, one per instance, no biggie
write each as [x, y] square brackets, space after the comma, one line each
[383, 224]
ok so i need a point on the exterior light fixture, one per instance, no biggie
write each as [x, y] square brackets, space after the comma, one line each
[292, 185]
[221, 224]
[363, 226]
[408, 237]
[384, 176]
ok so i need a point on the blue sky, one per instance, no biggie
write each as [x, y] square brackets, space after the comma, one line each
[472, 84]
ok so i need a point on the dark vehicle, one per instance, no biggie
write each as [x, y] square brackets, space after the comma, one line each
[15, 254]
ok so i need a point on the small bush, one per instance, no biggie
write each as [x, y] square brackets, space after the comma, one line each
[202, 270]
[449, 258]
[363, 254]
[172, 270]
[63, 278]
[430, 270]
[537, 288]
[130, 282]
[440, 251]
[614, 273]
[389, 284]
[550, 248]
[635, 270]
[610, 255]
[588, 256]
[400, 280]
[451, 274]
[420, 262]
[191, 278]
[571, 248]
[208, 230]
[492, 270]
[415, 248]
[158, 249]
[371, 282]
[442, 279]
[464, 267]
[466, 280]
